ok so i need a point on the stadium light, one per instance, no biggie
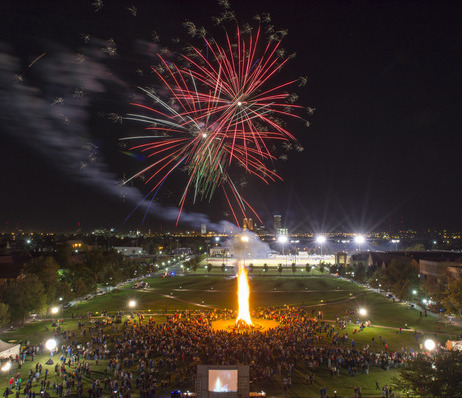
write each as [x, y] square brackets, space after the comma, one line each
[283, 239]
[321, 239]
[359, 240]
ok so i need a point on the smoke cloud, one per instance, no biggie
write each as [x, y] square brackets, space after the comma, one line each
[48, 106]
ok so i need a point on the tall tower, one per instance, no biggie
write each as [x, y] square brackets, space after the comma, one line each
[277, 223]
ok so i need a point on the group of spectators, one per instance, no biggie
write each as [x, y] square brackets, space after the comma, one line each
[144, 356]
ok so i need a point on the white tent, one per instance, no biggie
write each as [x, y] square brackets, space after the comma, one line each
[7, 349]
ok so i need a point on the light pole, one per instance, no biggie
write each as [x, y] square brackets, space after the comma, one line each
[359, 239]
[51, 345]
[320, 240]
[395, 242]
[282, 239]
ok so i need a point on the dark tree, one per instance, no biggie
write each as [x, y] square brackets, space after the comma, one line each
[25, 296]
[433, 376]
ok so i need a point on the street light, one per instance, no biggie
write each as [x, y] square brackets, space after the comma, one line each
[429, 344]
[395, 242]
[6, 367]
[362, 312]
[54, 310]
[50, 345]
[132, 303]
[320, 240]
[359, 239]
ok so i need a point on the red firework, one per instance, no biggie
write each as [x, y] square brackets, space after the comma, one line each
[222, 111]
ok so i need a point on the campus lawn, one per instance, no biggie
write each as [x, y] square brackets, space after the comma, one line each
[333, 296]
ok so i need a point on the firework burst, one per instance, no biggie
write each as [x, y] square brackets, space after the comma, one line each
[222, 111]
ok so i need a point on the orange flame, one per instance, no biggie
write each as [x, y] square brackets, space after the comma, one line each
[243, 296]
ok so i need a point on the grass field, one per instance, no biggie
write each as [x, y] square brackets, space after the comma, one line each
[333, 296]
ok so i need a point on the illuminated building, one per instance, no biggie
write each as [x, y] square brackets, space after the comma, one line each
[277, 223]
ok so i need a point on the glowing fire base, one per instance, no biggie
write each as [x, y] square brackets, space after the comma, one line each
[229, 325]
[243, 326]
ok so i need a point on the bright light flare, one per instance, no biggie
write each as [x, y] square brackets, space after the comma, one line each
[360, 239]
[6, 367]
[243, 294]
[362, 312]
[283, 239]
[54, 310]
[50, 344]
[244, 238]
[320, 239]
[429, 344]
[132, 303]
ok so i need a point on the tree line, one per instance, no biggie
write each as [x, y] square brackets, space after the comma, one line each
[56, 280]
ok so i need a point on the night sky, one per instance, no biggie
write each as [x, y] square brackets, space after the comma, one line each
[382, 151]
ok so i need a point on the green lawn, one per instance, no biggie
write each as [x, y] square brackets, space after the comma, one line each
[333, 296]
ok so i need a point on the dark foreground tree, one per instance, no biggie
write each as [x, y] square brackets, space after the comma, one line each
[4, 314]
[431, 377]
[453, 297]
[25, 296]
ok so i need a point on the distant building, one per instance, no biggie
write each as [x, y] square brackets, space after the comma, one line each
[440, 271]
[277, 223]
[203, 229]
[219, 251]
[130, 251]
[77, 246]
[438, 266]
[247, 223]
[182, 250]
[341, 259]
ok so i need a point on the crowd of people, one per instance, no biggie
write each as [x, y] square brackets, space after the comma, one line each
[144, 356]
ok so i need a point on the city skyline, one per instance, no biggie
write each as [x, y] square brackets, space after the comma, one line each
[381, 151]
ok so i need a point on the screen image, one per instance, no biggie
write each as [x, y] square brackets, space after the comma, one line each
[223, 380]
